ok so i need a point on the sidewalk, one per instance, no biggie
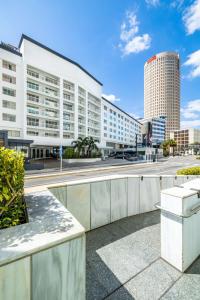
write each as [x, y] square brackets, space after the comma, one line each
[79, 167]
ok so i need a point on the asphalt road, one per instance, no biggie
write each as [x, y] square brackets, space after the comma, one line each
[168, 167]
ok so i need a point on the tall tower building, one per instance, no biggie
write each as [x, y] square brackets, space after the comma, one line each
[162, 89]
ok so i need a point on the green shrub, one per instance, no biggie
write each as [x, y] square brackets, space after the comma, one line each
[198, 157]
[69, 153]
[12, 208]
[189, 171]
[165, 152]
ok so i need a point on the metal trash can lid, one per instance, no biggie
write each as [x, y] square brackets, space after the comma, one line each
[194, 184]
[179, 192]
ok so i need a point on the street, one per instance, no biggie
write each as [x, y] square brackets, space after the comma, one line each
[168, 167]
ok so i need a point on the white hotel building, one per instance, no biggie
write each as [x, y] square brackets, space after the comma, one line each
[48, 100]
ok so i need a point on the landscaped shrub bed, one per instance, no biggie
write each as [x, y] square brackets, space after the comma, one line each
[12, 207]
[189, 171]
[83, 148]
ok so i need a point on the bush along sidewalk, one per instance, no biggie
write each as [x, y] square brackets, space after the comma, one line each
[12, 207]
[189, 171]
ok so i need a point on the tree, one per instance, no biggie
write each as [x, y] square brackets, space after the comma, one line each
[166, 146]
[91, 145]
[173, 144]
[79, 145]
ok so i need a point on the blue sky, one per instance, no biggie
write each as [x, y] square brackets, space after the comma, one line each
[112, 39]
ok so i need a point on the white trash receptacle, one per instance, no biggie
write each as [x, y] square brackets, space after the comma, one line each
[180, 226]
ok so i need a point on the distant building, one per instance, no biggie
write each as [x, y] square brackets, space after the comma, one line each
[162, 89]
[119, 129]
[153, 131]
[185, 138]
[48, 100]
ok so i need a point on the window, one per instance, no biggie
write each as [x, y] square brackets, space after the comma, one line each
[51, 124]
[67, 96]
[70, 107]
[68, 85]
[13, 133]
[51, 80]
[33, 98]
[9, 104]
[34, 133]
[32, 85]
[8, 78]
[32, 110]
[8, 65]
[8, 117]
[9, 92]
[33, 73]
[81, 91]
[51, 91]
[51, 134]
[32, 122]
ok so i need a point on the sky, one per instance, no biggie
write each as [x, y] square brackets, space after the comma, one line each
[112, 39]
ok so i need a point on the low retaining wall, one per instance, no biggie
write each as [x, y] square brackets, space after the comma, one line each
[81, 160]
[45, 258]
[99, 201]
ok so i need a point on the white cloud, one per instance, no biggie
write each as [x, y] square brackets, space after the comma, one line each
[135, 115]
[194, 62]
[191, 17]
[191, 113]
[153, 2]
[177, 4]
[111, 98]
[128, 32]
[131, 42]
[190, 123]
[137, 44]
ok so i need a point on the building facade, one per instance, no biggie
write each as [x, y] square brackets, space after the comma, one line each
[48, 100]
[162, 89]
[119, 129]
[153, 131]
[186, 138]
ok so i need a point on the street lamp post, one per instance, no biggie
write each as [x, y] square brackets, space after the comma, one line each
[60, 152]
[136, 144]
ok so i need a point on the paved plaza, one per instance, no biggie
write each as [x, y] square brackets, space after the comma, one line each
[123, 262]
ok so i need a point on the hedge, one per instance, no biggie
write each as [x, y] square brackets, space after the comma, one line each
[12, 208]
[189, 171]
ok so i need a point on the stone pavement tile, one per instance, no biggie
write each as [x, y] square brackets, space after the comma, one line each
[127, 256]
[103, 275]
[187, 288]
[94, 289]
[195, 267]
[153, 281]
[120, 294]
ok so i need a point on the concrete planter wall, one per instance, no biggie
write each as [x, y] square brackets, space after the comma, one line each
[45, 258]
[81, 160]
[99, 201]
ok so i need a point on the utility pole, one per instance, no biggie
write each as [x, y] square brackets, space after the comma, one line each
[60, 152]
[136, 144]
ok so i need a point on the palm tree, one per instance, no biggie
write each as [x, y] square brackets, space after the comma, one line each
[79, 145]
[91, 144]
[173, 144]
[167, 144]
